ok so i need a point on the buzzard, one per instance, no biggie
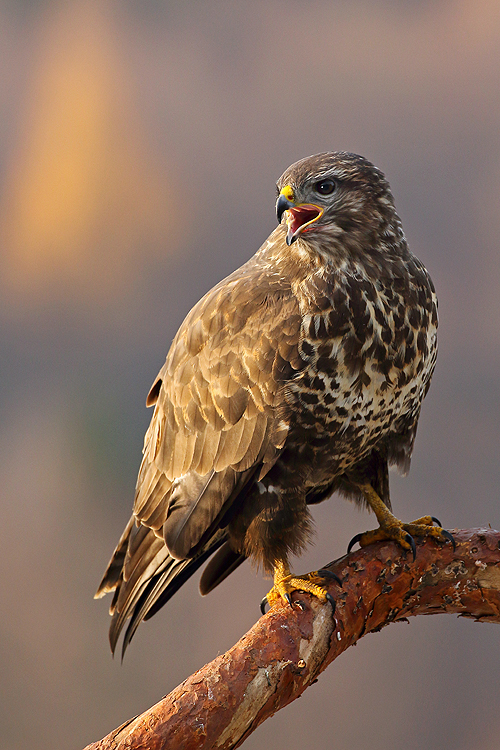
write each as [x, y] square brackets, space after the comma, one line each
[300, 374]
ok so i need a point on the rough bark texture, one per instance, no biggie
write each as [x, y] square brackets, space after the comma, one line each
[285, 651]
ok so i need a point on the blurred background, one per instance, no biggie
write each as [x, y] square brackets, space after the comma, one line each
[140, 143]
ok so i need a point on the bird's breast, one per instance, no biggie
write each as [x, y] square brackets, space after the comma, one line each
[368, 357]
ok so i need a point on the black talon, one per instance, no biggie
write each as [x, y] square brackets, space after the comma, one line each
[353, 542]
[328, 574]
[289, 599]
[263, 605]
[411, 542]
[450, 538]
[330, 598]
[436, 520]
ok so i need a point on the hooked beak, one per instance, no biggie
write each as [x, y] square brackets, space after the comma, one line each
[282, 205]
[299, 217]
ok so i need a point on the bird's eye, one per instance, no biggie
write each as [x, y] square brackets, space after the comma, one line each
[324, 187]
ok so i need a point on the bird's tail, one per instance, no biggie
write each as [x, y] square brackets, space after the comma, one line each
[144, 576]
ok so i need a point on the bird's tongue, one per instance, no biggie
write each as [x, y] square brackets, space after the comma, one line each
[299, 216]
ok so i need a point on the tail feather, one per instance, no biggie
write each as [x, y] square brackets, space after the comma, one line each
[113, 573]
[128, 595]
[160, 588]
[144, 576]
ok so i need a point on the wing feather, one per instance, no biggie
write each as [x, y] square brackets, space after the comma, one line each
[179, 453]
[213, 428]
[211, 438]
[247, 431]
[191, 438]
[147, 502]
[228, 447]
[254, 447]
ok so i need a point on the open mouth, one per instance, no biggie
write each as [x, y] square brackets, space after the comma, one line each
[299, 219]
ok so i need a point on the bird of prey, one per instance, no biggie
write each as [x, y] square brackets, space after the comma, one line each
[300, 374]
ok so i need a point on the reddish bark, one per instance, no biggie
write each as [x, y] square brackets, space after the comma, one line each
[222, 703]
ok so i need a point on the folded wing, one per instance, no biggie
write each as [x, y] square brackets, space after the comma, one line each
[216, 427]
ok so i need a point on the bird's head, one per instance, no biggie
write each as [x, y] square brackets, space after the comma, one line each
[336, 196]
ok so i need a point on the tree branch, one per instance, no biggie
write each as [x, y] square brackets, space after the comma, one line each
[285, 651]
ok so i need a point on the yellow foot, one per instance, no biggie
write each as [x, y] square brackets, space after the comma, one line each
[285, 583]
[403, 533]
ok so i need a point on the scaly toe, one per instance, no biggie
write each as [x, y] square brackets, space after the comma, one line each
[417, 528]
[404, 533]
[390, 533]
[283, 588]
[436, 532]
[426, 521]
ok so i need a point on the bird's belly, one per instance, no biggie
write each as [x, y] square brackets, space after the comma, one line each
[342, 417]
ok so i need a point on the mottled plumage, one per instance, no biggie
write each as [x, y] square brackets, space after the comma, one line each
[301, 373]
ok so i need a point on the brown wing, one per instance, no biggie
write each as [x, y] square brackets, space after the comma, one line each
[215, 406]
[215, 426]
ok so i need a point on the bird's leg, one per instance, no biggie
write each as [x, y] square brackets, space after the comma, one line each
[391, 527]
[285, 583]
